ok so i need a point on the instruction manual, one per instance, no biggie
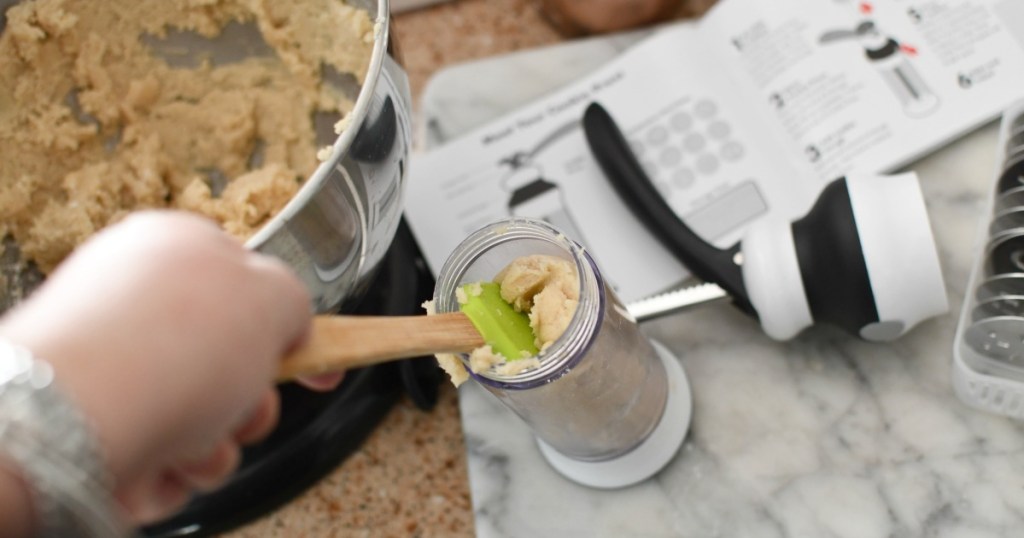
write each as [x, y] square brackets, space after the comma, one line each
[750, 110]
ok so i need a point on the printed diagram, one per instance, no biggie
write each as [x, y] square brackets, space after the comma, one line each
[890, 59]
[685, 149]
[531, 194]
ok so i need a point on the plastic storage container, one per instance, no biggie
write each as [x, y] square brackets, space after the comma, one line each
[988, 349]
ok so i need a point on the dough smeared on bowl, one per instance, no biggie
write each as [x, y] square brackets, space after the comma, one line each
[94, 125]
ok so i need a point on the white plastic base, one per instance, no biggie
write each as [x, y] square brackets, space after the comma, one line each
[999, 395]
[650, 456]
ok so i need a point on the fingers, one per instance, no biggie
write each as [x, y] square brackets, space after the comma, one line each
[213, 470]
[322, 382]
[289, 307]
[262, 420]
[154, 498]
[164, 492]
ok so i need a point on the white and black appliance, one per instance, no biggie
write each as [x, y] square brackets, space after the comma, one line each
[863, 258]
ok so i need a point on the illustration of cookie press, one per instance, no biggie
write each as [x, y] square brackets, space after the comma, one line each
[862, 258]
[531, 193]
[889, 57]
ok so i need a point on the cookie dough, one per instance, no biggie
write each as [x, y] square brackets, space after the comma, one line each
[547, 289]
[95, 124]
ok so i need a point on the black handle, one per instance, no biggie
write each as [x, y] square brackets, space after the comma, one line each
[620, 166]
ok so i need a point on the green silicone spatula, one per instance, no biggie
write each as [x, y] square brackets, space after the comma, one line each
[507, 332]
[339, 343]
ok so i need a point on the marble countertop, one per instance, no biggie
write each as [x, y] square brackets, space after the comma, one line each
[822, 436]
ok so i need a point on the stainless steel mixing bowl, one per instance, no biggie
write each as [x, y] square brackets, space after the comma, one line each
[335, 231]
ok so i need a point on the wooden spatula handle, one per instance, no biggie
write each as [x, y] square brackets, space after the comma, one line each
[342, 342]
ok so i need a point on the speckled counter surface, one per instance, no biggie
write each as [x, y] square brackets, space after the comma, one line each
[410, 478]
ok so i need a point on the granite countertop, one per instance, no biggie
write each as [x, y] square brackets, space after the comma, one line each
[410, 477]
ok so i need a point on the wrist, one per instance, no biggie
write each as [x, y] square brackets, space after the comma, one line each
[15, 503]
[79, 375]
[50, 443]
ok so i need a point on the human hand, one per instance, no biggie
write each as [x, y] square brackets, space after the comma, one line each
[167, 333]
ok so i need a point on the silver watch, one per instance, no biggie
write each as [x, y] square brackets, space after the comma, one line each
[49, 441]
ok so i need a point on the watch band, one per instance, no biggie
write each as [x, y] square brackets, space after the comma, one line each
[53, 447]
